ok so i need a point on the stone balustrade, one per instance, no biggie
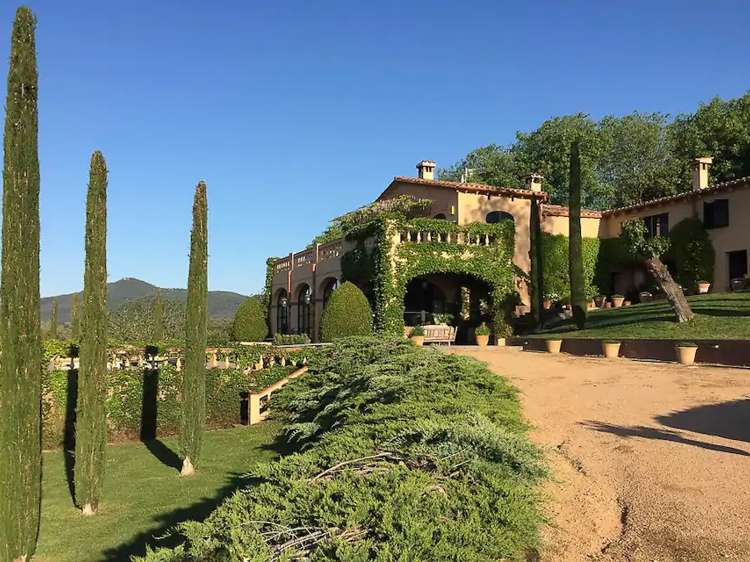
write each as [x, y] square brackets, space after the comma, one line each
[317, 254]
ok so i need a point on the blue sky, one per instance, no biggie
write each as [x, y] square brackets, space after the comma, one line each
[295, 112]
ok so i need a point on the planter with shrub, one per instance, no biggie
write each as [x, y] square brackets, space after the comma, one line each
[599, 300]
[686, 352]
[482, 335]
[611, 348]
[417, 335]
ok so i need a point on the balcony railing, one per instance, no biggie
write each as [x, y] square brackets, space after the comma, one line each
[317, 254]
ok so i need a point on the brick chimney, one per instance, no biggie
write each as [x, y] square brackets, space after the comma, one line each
[700, 172]
[534, 182]
[426, 170]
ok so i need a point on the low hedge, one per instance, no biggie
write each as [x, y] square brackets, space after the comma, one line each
[347, 313]
[403, 453]
[145, 403]
[250, 322]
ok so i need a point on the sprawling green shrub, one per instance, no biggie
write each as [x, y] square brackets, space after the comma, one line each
[250, 322]
[290, 339]
[133, 321]
[347, 314]
[405, 454]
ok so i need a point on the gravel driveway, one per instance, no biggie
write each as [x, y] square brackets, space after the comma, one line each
[651, 461]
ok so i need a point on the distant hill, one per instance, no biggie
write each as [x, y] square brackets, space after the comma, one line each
[221, 304]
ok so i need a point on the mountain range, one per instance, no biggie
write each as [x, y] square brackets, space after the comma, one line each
[221, 304]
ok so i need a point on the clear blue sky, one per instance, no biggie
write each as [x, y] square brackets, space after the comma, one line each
[295, 112]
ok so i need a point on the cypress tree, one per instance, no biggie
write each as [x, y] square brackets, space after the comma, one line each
[536, 272]
[20, 339]
[158, 331]
[53, 320]
[74, 323]
[575, 249]
[194, 371]
[91, 416]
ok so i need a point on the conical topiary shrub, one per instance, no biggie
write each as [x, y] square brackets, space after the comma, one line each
[347, 314]
[250, 322]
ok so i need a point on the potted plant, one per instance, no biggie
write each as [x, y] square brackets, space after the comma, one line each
[686, 352]
[617, 300]
[703, 287]
[611, 348]
[482, 335]
[417, 335]
[626, 303]
[442, 319]
[645, 296]
[599, 301]
[547, 303]
[737, 284]
[607, 304]
[554, 343]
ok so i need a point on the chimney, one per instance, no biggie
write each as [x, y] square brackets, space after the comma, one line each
[534, 182]
[700, 172]
[426, 170]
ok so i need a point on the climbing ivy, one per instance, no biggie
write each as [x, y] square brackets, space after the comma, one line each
[390, 265]
[693, 253]
[555, 251]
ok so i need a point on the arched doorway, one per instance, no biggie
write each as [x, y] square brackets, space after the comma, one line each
[440, 216]
[495, 217]
[304, 310]
[423, 299]
[329, 286]
[282, 312]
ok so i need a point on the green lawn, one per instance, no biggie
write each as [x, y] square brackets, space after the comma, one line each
[144, 494]
[719, 316]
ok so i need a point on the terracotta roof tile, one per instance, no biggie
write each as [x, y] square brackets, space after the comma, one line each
[560, 211]
[710, 190]
[467, 187]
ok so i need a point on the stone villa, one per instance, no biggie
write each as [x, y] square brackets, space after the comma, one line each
[303, 281]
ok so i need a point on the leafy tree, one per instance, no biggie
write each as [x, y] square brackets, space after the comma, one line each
[649, 251]
[53, 320]
[575, 261]
[74, 322]
[133, 321]
[490, 165]
[330, 234]
[91, 414]
[158, 332]
[194, 374]
[20, 334]
[250, 322]
[347, 313]
[536, 272]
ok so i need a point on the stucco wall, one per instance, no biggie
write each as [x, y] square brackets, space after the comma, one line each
[590, 227]
[442, 199]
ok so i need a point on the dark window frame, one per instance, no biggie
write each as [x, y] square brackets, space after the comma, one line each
[282, 314]
[716, 214]
[657, 225]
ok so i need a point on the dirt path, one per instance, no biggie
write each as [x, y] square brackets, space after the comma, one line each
[651, 461]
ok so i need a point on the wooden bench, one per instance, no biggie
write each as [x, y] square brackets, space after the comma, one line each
[439, 334]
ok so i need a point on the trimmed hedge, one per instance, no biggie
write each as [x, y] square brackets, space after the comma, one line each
[347, 314]
[404, 453]
[555, 250]
[250, 322]
[290, 339]
[146, 403]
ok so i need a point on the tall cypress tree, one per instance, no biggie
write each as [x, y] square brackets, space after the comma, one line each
[194, 371]
[74, 323]
[91, 416]
[536, 272]
[53, 320]
[20, 339]
[575, 249]
[158, 319]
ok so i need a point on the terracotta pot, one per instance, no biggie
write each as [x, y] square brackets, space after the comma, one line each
[419, 340]
[590, 305]
[599, 301]
[626, 303]
[553, 346]
[482, 341]
[547, 304]
[617, 301]
[611, 350]
[703, 288]
[607, 304]
[686, 355]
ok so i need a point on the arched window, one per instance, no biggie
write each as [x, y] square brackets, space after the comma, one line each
[496, 216]
[332, 286]
[304, 308]
[282, 313]
[440, 216]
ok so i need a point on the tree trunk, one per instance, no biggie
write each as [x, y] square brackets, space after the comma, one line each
[575, 242]
[535, 271]
[674, 294]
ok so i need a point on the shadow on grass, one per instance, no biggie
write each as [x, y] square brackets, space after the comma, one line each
[659, 434]
[164, 454]
[149, 413]
[161, 535]
[69, 433]
[730, 420]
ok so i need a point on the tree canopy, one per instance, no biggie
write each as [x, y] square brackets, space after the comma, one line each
[624, 160]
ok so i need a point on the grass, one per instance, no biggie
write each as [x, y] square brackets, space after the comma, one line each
[144, 494]
[718, 316]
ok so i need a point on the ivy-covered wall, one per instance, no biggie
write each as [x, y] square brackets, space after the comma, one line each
[555, 257]
[390, 263]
